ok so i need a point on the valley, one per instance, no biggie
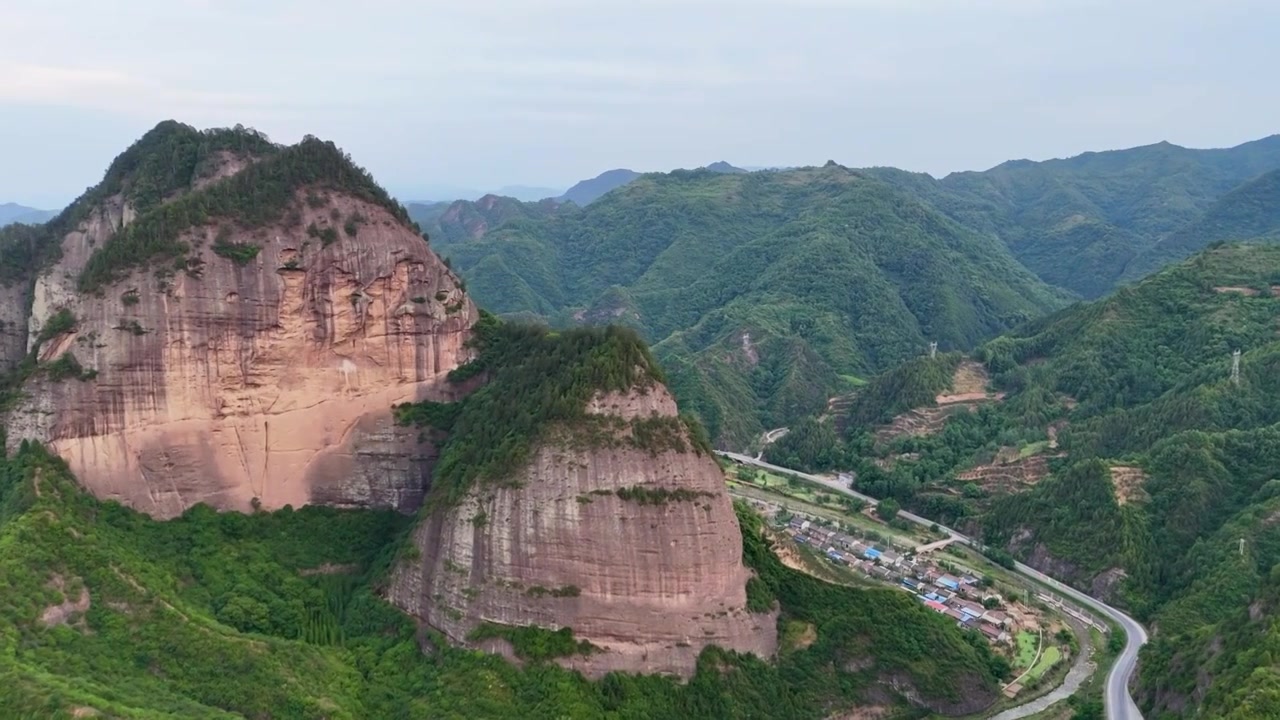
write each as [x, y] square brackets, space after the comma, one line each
[276, 445]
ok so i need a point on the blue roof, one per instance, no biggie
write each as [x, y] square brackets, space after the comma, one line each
[948, 583]
[871, 553]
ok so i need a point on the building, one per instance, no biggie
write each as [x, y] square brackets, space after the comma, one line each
[948, 582]
[994, 634]
[997, 618]
[871, 554]
[969, 608]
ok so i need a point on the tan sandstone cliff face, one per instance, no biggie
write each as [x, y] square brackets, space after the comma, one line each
[13, 324]
[654, 583]
[271, 381]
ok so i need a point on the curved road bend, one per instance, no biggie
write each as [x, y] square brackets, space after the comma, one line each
[1118, 702]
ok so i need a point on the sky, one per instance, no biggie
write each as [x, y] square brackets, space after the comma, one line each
[431, 95]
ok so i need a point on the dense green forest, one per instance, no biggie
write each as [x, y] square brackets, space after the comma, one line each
[767, 293]
[537, 387]
[1140, 381]
[764, 293]
[1251, 210]
[463, 220]
[257, 195]
[1092, 221]
[164, 162]
[279, 615]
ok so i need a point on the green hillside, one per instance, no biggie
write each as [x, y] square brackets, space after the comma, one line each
[1162, 463]
[464, 220]
[106, 612]
[1251, 210]
[165, 162]
[759, 291]
[1083, 223]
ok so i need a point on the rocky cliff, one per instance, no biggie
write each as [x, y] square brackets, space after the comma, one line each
[255, 367]
[638, 551]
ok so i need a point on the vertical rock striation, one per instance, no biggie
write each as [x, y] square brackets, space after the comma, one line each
[648, 582]
[268, 382]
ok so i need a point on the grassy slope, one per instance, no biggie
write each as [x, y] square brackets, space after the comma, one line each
[209, 616]
[828, 273]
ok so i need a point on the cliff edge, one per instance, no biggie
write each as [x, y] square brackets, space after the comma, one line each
[614, 523]
[238, 336]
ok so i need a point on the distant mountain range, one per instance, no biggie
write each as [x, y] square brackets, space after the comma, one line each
[765, 293]
[587, 191]
[1092, 221]
[13, 213]
[755, 286]
[582, 193]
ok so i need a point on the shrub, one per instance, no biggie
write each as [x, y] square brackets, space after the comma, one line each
[239, 253]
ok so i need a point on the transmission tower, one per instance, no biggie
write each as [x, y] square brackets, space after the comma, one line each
[1242, 547]
[933, 350]
[1235, 368]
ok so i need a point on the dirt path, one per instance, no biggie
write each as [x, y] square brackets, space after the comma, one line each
[1080, 671]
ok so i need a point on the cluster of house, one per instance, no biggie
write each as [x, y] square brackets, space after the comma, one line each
[958, 597]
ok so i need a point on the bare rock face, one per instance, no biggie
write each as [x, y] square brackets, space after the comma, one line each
[649, 584]
[13, 324]
[267, 383]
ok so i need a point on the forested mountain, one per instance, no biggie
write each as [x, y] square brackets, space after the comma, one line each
[765, 293]
[1122, 455]
[1088, 222]
[13, 213]
[288, 310]
[588, 191]
[463, 220]
[721, 166]
[1251, 210]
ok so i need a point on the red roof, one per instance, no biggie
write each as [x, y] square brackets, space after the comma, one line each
[935, 605]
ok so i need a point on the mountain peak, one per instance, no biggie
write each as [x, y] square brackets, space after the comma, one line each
[588, 191]
[725, 168]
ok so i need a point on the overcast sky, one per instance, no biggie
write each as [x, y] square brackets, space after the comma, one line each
[485, 93]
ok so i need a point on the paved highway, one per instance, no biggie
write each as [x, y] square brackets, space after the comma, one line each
[1118, 701]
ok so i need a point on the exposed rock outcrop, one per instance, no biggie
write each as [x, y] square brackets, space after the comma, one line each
[13, 324]
[268, 382]
[649, 583]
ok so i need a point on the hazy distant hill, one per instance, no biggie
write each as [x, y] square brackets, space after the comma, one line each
[13, 213]
[463, 220]
[527, 193]
[587, 191]
[724, 167]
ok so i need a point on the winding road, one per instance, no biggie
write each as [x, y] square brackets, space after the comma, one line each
[1119, 703]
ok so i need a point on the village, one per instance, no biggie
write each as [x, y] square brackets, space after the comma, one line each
[1043, 636]
[968, 600]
